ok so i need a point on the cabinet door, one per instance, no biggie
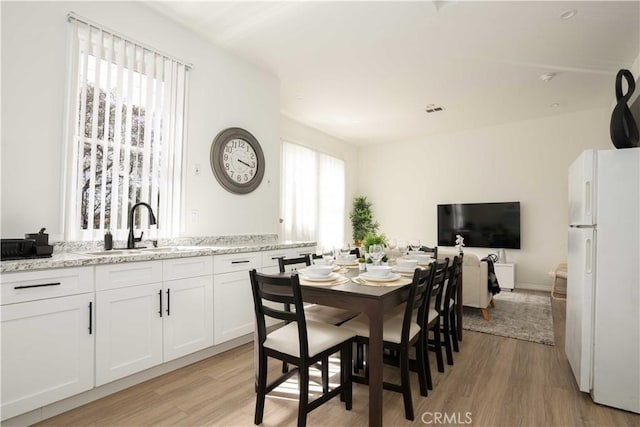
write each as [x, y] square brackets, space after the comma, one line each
[128, 331]
[232, 306]
[188, 317]
[47, 352]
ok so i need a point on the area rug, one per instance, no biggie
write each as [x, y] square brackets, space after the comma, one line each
[516, 315]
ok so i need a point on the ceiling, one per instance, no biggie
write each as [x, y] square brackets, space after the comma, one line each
[365, 71]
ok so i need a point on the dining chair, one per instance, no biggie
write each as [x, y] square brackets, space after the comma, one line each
[300, 342]
[433, 251]
[445, 304]
[453, 322]
[400, 333]
[439, 282]
[319, 313]
[315, 312]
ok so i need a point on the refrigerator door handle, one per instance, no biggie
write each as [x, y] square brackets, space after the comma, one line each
[587, 198]
[589, 258]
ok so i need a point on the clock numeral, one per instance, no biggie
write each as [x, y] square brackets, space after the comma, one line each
[226, 157]
[226, 166]
[242, 144]
[253, 156]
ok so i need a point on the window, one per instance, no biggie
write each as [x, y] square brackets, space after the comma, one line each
[313, 191]
[125, 126]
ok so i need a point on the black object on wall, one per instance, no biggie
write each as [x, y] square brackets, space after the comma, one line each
[483, 225]
[623, 129]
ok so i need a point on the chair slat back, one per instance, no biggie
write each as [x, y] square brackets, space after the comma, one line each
[423, 303]
[453, 278]
[417, 290]
[433, 250]
[298, 262]
[280, 289]
[439, 281]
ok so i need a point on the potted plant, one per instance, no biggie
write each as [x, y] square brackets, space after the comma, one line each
[362, 219]
[374, 239]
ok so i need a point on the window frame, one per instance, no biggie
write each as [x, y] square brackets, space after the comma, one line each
[173, 110]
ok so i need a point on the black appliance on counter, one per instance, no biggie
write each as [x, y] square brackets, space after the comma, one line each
[34, 245]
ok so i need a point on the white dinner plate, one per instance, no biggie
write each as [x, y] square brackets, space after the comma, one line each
[397, 269]
[389, 278]
[330, 277]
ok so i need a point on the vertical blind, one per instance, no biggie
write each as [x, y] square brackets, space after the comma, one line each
[313, 193]
[127, 112]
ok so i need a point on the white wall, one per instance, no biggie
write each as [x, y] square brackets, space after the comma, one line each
[525, 161]
[224, 91]
[298, 133]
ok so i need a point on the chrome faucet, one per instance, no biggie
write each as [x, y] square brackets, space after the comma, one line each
[131, 241]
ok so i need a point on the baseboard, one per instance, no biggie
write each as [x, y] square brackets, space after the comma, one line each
[96, 393]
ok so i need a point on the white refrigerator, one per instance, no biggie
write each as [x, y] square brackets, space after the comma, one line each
[603, 285]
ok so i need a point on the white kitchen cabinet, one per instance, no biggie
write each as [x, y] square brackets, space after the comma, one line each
[148, 322]
[232, 296]
[47, 343]
[128, 331]
[188, 319]
[506, 274]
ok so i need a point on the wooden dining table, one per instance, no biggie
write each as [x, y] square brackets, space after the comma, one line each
[372, 301]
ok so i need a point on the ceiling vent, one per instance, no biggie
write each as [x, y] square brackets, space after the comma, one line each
[433, 108]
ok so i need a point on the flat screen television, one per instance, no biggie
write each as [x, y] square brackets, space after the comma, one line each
[483, 225]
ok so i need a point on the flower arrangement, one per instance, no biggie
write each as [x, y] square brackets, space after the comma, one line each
[459, 242]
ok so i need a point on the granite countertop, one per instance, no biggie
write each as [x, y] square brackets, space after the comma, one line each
[81, 258]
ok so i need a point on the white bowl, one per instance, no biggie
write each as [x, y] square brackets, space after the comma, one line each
[319, 270]
[406, 264]
[347, 258]
[419, 256]
[379, 270]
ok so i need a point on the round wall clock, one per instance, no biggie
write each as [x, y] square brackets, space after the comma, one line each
[237, 160]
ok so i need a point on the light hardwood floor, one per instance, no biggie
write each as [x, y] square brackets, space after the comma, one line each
[497, 381]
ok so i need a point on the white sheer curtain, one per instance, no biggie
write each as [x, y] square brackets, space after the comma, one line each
[330, 201]
[312, 196]
[126, 111]
[299, 200]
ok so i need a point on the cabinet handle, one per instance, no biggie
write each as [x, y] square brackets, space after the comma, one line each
[168, 302]
[90, 317]
[37, 286]
[160, 295]
[240, 262]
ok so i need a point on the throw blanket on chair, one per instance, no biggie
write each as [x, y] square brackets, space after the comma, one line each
[492, 281]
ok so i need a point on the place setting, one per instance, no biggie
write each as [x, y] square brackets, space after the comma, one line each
[344, 257]
[321, 275]
[379, 275]
[405, 266]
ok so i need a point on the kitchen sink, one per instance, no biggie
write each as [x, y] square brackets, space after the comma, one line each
[169, 249]
[115, 252]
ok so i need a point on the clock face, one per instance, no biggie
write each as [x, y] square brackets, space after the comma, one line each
[237, 160]
[240, 160]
